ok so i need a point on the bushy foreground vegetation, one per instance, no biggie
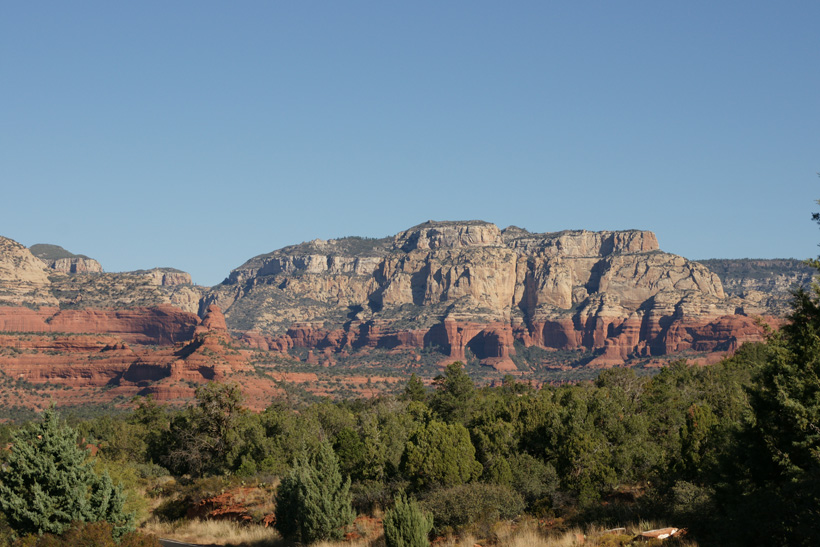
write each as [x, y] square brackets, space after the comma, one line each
[729, 451]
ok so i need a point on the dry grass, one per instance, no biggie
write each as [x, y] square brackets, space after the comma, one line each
[525, 533]
[213, 532]
[354, 543]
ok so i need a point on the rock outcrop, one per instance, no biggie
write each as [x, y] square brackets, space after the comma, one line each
[762, 286]
[23, 278]
[57, 258]
[161, 325]
[440, 291]
[470, 288]
[166, 277]
[123, 361]
[58, 278]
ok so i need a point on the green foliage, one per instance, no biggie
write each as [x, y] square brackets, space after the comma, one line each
[460, 506]
[283, 437]
[313, 502]
[47, 483]
[414, 390]
[787, 402]
[783, 444]
[406, 525]
[154, 421]
[350, 449]
[440, 454]
[696, 434]
[452, 400]
[532, 478]
[206, 438]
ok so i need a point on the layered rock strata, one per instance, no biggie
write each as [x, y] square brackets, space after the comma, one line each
[471, 288]
[107, 360]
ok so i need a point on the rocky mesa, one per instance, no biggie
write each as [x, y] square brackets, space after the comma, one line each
[472, 289]
[515, 301]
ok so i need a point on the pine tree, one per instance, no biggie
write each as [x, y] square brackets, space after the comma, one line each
[406, 525]
[48, 483]
[313, 502]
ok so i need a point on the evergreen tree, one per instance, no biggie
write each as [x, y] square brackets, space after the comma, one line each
[47, 483]
[313, 502]
[453, 399]
[207, 438]
[785, 450]
[440, 454]
[414, 390]
[406, 525]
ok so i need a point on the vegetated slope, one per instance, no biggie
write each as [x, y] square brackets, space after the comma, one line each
[47, 251]
[770, 281]
[57, 258]
[59, 278]
[470, 288]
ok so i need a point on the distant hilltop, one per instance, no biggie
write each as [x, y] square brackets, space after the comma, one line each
[57, 258]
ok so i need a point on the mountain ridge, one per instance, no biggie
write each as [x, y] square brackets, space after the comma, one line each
[503, 301]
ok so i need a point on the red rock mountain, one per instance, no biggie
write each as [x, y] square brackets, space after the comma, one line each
[470, 288]
[452, 290]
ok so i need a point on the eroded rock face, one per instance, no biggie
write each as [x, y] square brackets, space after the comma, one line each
[57, 258]
[472, 287]
[39, 348]
[23, 278]
[58, 278]
[74, 265]
[467, 288]
[166, 277]
[162, 325]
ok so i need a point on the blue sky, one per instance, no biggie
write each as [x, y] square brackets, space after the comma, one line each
[199, 134]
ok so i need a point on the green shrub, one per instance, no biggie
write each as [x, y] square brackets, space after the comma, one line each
[532, 478]
[313, 502]
[47, 483]
[467, 504]
[371, 494]
[406, 525]
[440, 454]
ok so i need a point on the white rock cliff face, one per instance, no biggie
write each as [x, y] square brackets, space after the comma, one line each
[23, 278]
[79, 282]
[468, 270]
[74, 265]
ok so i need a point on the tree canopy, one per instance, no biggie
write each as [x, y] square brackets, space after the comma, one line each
[47, 482]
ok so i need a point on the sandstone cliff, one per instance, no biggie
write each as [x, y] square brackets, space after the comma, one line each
[56, 277]
[57, 258]
[471, 287]
[102, 356]
[23, 278]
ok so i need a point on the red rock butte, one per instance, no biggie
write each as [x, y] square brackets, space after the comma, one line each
[467, 289]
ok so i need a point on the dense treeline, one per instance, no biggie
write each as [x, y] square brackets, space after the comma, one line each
[731, 451]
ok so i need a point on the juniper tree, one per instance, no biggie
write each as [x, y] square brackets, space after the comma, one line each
[314, 502]
[47, 483]
[440, 454]
[406, 525]
[206, 438]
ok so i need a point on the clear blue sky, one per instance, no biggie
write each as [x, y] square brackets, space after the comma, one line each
[199, 134]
